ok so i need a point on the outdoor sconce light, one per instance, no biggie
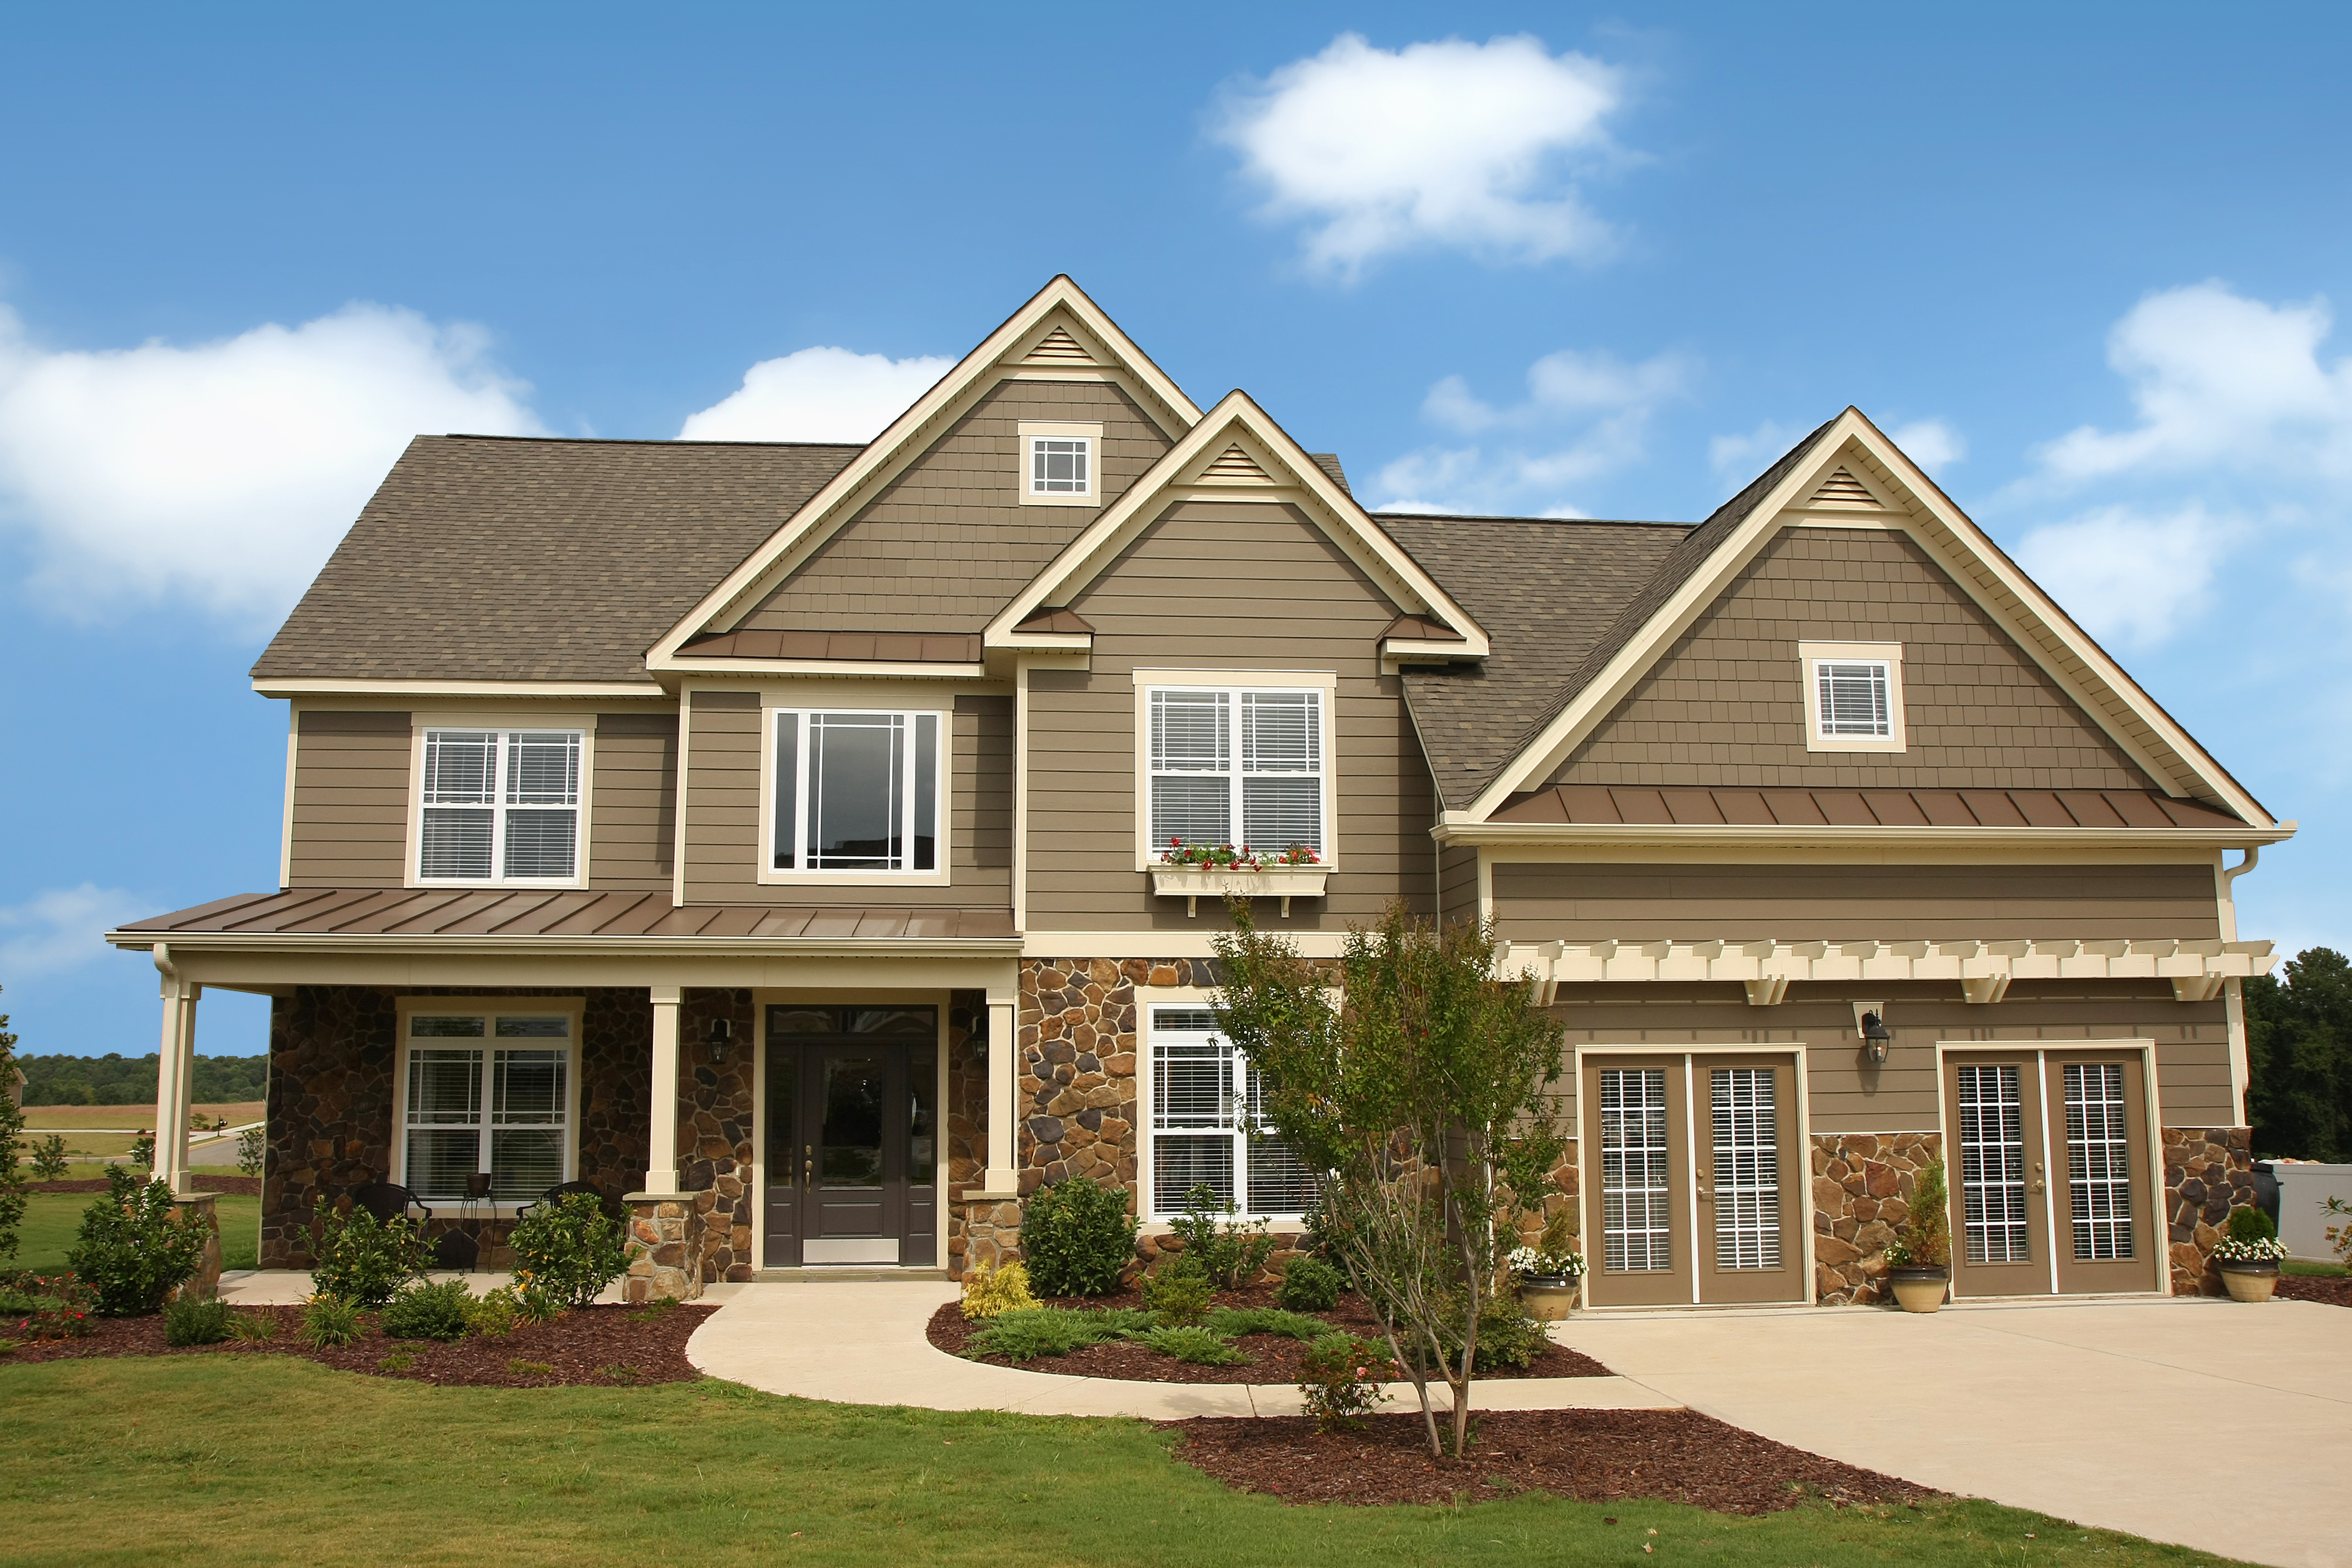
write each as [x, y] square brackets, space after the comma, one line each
[1870, 1019]
[721, 1031]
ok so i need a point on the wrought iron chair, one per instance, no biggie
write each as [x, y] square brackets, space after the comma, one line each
[385, 1200]
[605, 1200]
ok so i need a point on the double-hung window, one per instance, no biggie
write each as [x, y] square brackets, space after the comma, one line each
[856, 793]
[1207, 1105]
[1242, 767]
[499, 805]
[1853, 696]
[487, 1095]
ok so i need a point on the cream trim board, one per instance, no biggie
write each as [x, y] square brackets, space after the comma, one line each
[491, 1006]
[1021, 794]
[1146, 681]
[1811, 656]
[286, 818]
[942, 800]
[501, 690]
[581, 723]
[1091, 433]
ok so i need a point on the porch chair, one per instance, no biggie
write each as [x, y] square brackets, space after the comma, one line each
[387, 1199]
[605, 1200]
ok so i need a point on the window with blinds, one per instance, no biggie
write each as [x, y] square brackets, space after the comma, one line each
[486, 1094]
[856, 793]
[499, 805]
[1207, 1126]
[1853, 697]
[1242, 767]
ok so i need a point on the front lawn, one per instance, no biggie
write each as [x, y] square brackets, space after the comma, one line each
[271, 1460]
[53, 1219]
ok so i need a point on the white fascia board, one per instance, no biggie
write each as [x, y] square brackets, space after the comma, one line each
[1529, 835]
[574, 946]
[551, 690]
[893, 445]
[845, 669]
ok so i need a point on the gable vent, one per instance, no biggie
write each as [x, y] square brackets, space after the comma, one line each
[1234, 466]
[1057, 344]
[1842, 488]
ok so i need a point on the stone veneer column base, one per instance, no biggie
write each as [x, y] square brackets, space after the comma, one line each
[2208, 1171]
[202, 1209]
[1861, 1184]
[992, 1232]
[665, 1247]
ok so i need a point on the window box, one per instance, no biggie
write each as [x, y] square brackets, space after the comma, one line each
[1192, 883]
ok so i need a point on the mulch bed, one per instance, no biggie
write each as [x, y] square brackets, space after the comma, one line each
[2335, 1291]
[1276, 1358]
[1592, 1456]
[241, 1186]
[606, 1346]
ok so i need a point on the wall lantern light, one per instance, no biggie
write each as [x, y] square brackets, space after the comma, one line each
[722, 1031]
[1870, 1022]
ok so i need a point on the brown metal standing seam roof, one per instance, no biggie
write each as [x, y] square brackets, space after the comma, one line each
[1630, 805]
[542, 912]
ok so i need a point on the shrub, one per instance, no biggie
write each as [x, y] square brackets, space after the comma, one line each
[1340, 1378]
[136, 1247]
[521, 1368]
[1235, 1321]
[250, 1144]
[1079, 1237]
[1197, 1345]
[330, 1320]
[364, 1260]
[492, 1314]
[255, 1327]
[1036, 1331]
[49, 1162]
[1234, 1253]
[142, 1151]
[990, 1291]
[45, 1307]
[188, 1320]
[422, 1311]
[570, 1248]
[398, 1361]
[535, 1301]
[2250, 1225]
[1506, 1336]
[1310, 1285]
[1924, 1240]
[1179, 1290]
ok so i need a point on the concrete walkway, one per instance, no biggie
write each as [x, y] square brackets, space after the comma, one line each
[291, 1287]
[862, 1343]
[2198, 1421]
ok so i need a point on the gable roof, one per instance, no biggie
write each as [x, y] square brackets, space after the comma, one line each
[486, 558]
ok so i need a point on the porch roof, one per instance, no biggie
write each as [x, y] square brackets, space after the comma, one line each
[1869, 807]
[393, 914]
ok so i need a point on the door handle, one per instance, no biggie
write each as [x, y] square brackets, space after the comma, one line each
[1707, 1193]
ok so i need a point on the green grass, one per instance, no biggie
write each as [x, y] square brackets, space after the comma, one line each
[275, 1460]
[53, 1219]
[2313, 1270]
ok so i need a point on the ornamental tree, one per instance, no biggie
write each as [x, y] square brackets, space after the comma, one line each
[12, 1142]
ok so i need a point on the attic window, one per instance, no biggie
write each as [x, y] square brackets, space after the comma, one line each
[1061, 463]
[1853, 696]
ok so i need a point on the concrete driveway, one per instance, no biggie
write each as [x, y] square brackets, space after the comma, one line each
[2198, 1421]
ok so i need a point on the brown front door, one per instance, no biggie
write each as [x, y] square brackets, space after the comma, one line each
[2106, 1197]
[1637, 1164]
[1751, 1247]
[852, 1136]
[1999, 1174]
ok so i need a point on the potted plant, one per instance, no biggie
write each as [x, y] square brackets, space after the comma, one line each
[2249, 1256]
[1189, 871]
[1919, 1261]
[1549, 1273]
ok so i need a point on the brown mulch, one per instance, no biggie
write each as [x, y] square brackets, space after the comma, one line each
[1275, 1359]
[1592, 1456]
[2335, 1291]
[606, 1346]
[241, 1186]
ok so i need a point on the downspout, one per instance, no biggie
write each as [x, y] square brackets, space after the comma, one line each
[2233, 991]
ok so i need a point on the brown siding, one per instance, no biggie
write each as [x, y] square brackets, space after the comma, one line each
[954, 525]
[722, 813]
[633, 810]
[350, 800]
[1222, 585]
[1597, 902]
[2192, 1039]
[1457, 883]
[1726, 704]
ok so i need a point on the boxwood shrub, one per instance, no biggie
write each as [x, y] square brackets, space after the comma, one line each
[1079, 1238]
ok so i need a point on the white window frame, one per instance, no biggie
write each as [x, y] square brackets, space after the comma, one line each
[505, 726]
[1154, 1207]
[1811, 656]
[489, 1009]
[774, 717]
[1233, 683]
[1031, 432]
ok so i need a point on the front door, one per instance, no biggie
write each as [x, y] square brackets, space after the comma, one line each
[1693, 1163]
[2053, 1189]
[852, 1132]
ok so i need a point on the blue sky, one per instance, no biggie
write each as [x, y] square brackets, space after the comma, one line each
[1513, 258]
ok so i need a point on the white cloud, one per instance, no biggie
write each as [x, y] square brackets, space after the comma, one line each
[1757, 449]
[2130, 578]
[1931, 443]
[1585, 415]
[60, 928]
[226, 472]
[817, 394]
[1437, 143]
[2223, 381]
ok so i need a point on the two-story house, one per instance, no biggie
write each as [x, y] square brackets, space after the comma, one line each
[774, 836]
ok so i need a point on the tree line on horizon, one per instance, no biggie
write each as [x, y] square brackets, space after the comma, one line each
[117, 1079]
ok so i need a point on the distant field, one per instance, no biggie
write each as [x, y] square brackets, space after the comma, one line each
[237, 1112]
[52, 1220]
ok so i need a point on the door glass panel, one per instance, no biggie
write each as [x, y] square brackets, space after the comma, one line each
[1747, 1168]
[783, 1162]
[1992, 1165]
[2098, 1161]
[1635, 1198]
[923, 1140]
[787, 1020]
[922, 1021]
[850, 1147]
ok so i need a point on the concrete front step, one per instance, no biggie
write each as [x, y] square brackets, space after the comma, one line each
[838, 1272]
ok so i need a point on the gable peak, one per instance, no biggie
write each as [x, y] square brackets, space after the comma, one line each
[1058, 347]
[1234, 466]
[1842, 489]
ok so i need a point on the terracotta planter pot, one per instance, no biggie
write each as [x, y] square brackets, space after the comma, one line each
[1549, 1297]
[1919, 1289]
[2250, 1281]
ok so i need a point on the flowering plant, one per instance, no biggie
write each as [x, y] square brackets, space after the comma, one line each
[2230, 1249]
[1529, 1262]
[1225, 856]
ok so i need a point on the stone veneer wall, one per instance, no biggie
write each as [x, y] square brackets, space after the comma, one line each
[2208, 1171]
[1862, 1191]
[972, 1230]
[717, 1124]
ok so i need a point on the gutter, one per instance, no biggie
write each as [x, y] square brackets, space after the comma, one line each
[1824, 835]
[569, 946]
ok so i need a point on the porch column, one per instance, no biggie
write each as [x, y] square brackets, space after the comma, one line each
[664, 1242]
[174, 1070]
[1002, 1175]
[661, 1161]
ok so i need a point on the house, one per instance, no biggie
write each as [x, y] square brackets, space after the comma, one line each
[775, 835]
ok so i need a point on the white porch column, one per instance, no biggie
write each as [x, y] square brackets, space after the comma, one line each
[175, 1073]
[1003, 1177]
[661, 1162]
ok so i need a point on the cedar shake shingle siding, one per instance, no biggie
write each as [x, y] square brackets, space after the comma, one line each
[947, 543]
[1726, 703]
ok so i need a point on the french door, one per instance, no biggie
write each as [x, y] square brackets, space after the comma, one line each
[852, 1136]
[1691, 1171]
[2053, 1186]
